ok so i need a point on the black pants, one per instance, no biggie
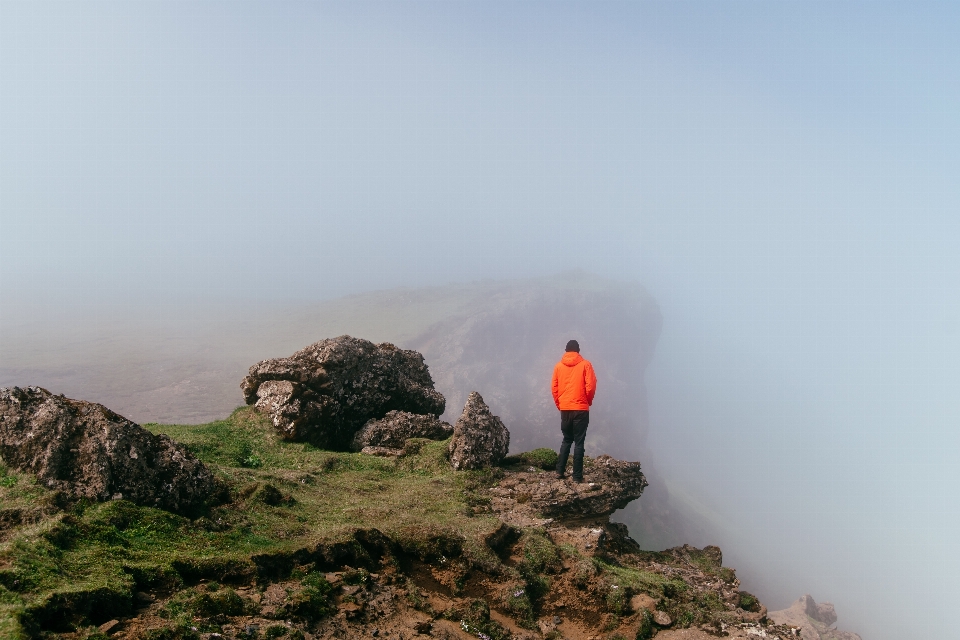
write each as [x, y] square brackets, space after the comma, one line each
[573, 424]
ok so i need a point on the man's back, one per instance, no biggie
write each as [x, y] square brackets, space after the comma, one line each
[574, 383]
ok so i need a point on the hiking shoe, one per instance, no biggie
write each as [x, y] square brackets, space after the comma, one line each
[560, 475]
[578, 479]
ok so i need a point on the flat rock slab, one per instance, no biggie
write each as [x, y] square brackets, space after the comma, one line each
[534, 494]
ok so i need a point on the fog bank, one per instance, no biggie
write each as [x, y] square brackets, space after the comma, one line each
[187, 182]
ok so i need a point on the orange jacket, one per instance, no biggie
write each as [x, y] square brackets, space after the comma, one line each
[574, 383]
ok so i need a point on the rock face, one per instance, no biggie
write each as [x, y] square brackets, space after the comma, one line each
[88, 451]
[396, 427]
[325, 393]
[479, 437]
[524, 497]
[813, 619]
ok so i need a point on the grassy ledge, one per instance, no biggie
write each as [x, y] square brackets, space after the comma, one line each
[320, 544]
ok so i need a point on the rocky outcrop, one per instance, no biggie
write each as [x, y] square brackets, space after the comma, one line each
[813, 619]
[395, 428]
[479, 438]
[88, 451]
[325, 393]
[534, 496]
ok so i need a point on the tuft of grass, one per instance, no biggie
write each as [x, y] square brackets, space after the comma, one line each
[275, 631]
[542, 458]
[475, 620]
[617, 600]
[645, 628]
[516, 600]
[7, 479]
[749, 602]
[221, 602]
[313, 600]
[540, 555]
[639, 581]
[246, 457]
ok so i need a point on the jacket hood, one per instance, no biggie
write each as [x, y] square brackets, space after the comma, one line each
[571, 358]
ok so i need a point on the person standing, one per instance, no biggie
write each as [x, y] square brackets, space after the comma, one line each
[573, 385]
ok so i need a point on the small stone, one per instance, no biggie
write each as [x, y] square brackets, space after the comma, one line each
[547, 626]
[662, 618]
[424, 627]
[109, 627]
[642, 601]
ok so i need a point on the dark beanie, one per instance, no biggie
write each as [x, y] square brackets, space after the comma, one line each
[573, 345]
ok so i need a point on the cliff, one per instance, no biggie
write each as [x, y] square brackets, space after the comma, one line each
[321, 544]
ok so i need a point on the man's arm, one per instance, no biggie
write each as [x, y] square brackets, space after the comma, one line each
[555, 388]
[590, 382]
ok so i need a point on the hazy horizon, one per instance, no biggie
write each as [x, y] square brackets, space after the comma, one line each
[782, 178]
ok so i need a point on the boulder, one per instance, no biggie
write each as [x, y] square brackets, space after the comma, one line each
[324, 393]
[88, 451]
[479, 437]
[392, 430]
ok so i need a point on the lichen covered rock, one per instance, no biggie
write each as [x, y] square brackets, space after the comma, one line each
[392, 430]
[479, 438]
[324, 393]
[528, 496]
[87, 451]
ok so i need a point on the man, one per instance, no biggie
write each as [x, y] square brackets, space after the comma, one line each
[574, 384]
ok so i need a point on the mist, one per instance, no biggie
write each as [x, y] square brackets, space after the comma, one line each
[181, 179]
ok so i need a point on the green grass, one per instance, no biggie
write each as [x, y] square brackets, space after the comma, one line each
[285, 497]
[542, 458]
[638, 581]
